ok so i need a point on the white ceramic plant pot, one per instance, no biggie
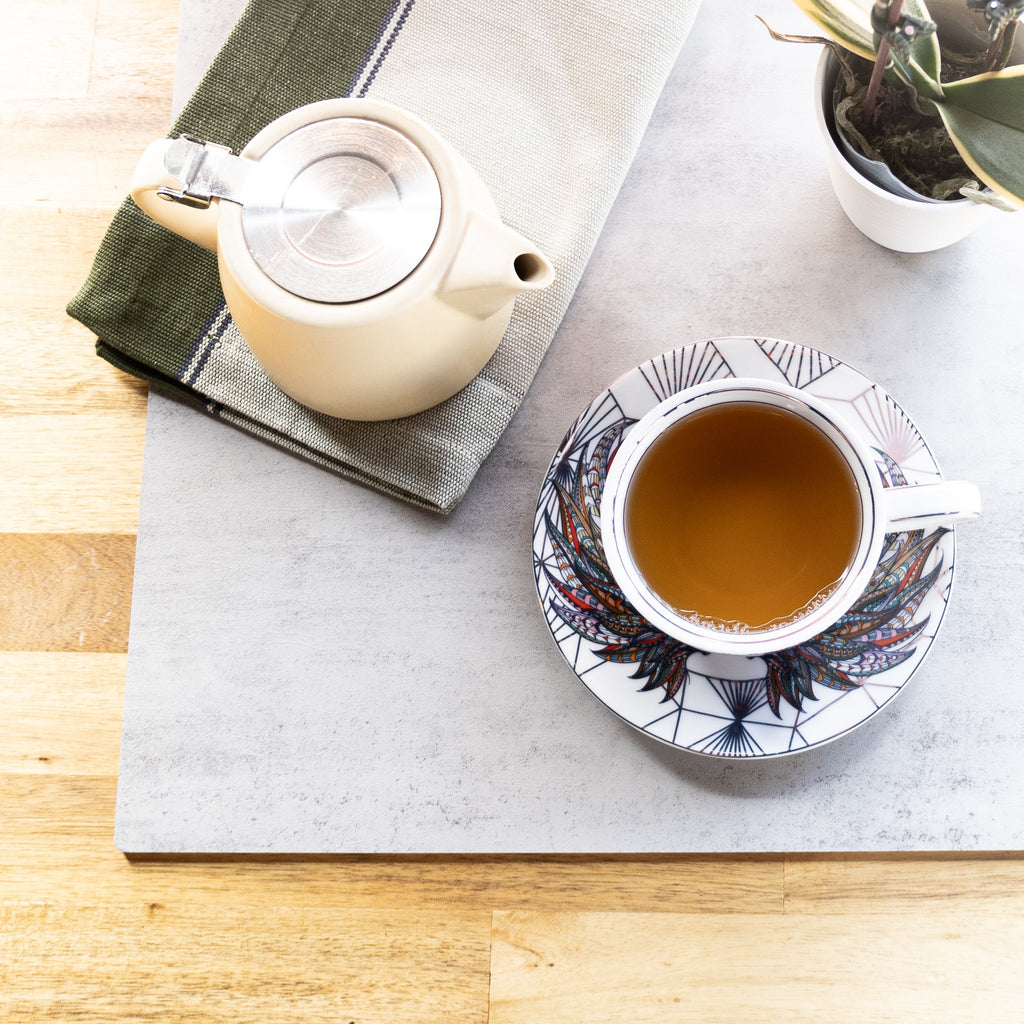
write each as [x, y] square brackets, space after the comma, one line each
[905, 225]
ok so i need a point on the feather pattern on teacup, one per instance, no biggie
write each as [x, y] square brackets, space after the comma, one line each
[585, 595]
[875, 635]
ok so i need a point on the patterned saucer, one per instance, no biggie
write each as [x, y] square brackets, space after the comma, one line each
[729, 706]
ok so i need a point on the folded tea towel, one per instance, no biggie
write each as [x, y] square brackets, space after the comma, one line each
[546, 99]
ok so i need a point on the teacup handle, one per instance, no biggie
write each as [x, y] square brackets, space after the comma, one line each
[929, 506]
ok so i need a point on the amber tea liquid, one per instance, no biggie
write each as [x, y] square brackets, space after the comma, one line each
[742, 516]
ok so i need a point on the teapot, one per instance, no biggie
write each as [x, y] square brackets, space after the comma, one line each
[362, 259]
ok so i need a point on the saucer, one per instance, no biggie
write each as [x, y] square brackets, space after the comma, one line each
[721, 705]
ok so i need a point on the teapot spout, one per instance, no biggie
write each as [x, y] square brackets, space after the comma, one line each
[493, 265]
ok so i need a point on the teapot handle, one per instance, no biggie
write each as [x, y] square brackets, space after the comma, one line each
[197, 224]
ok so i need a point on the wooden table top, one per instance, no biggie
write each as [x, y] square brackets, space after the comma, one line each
[86, 934]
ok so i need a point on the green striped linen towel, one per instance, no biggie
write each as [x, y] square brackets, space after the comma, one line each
[547, 99]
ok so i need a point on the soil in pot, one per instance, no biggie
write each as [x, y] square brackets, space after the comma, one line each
[916, 147]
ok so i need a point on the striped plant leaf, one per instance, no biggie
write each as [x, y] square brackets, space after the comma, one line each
[985, 117]
[848, 22]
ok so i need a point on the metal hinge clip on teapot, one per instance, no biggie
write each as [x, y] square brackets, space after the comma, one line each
[362, 259]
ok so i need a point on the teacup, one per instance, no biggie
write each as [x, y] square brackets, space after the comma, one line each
[743, 517]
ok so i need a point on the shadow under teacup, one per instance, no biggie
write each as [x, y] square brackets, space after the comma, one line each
[743, 517]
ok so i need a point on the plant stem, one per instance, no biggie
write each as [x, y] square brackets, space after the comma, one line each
[891, 9]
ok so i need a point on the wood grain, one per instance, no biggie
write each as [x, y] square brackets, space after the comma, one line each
[72, 137]
[71, 472]
[259, 962]
[63, 66]
[991, 884]
[52, 357]
[62, 716]
[65, 592]
[943, 964]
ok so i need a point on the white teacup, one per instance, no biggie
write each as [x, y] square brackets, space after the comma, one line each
[743, 517]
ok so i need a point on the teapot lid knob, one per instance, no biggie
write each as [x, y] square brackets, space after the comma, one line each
[341, 210]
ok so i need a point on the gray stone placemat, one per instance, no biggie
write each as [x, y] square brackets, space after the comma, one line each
[316, 668]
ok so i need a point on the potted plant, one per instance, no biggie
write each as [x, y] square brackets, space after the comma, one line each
[923, 136]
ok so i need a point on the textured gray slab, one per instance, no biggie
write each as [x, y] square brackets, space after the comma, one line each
[316, 668]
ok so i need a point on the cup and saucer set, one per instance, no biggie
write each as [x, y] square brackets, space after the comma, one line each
[717, 679]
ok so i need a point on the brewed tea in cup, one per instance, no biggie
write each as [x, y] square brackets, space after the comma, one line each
[742, 516]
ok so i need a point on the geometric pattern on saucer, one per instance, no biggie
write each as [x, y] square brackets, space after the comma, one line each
[718, 705]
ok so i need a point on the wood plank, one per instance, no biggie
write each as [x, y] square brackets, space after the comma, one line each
[50, 360]
[134, 48]
[81, 148]
[843, 883]
[71, 473]
[40, 62]
[66, 592]
[58, 844]
[62, 713]
[175, 961]
[71, 426]
[941, 962]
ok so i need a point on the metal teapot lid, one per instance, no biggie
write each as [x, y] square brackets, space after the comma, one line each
[337, 211]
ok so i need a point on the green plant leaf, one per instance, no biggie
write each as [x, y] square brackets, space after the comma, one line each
[999, 96]
[924, 51]
[985, 117]
[926, 87]
[848, 22]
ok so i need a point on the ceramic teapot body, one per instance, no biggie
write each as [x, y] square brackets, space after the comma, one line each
[362, 259]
